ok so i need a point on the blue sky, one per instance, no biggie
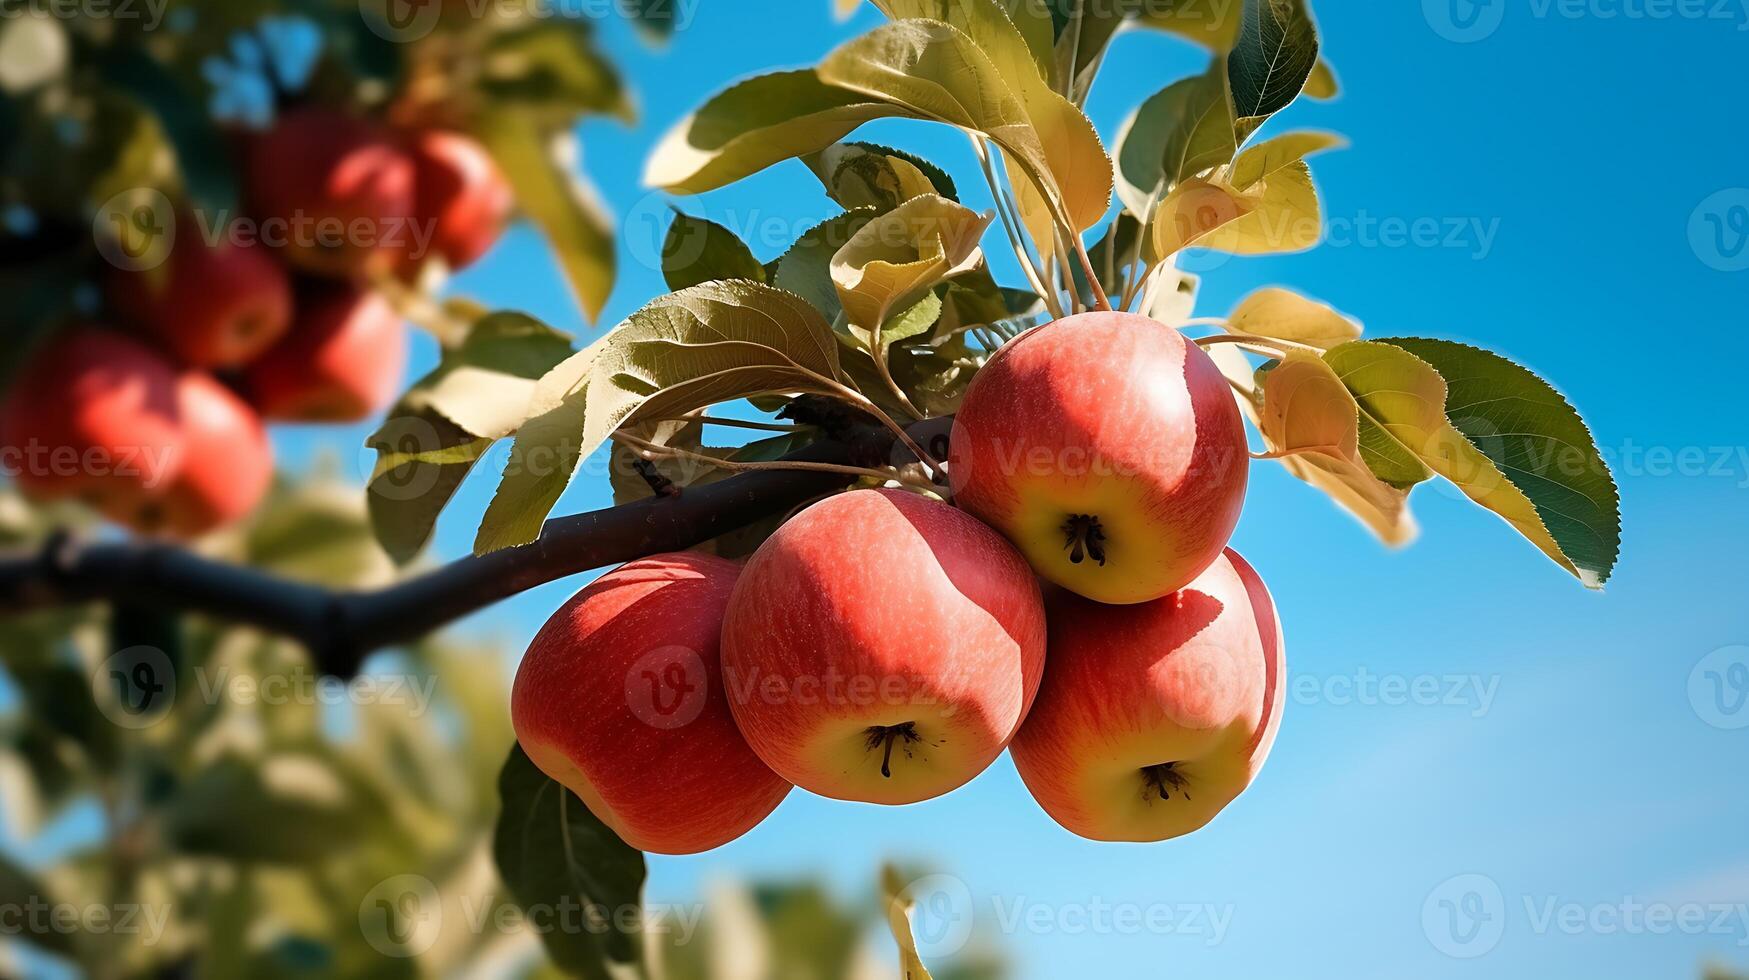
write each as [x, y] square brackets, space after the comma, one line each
[1556, 181]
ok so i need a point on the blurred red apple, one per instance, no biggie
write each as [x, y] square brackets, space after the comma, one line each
[462, 201]
[92, 414]
[883, 647]
[1153, 717]
[1109, 449]
[210, 305]
[620, 698]
[342, 361]
[228, 462]
[336, 190]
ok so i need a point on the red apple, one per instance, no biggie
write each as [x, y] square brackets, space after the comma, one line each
[883, 647]
[335, 190]
[92, 414]
[1153, 717]
[341, 362]
[211, 305]
[461, 199]
[1109, 449]
[228, 462]
[620, 698]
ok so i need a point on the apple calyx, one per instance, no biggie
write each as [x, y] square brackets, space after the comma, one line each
[1162, 779]
[1083, 538]
[883, 737]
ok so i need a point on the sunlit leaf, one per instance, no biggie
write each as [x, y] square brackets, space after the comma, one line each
[1322, 83]
[898, 257]
[1311, 421]
[1282, 314]
[933, 70]
[1181, 131]
[712, 343]
[478, 393]
[544, 168]
[552, 65]
[1264, 159]
[898, 915]
[754, 124]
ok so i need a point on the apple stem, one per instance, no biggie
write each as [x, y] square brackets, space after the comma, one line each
[885, 736]
[1164, 778]
[1084, 538]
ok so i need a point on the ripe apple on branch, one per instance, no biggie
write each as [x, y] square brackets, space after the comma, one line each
[974, 517]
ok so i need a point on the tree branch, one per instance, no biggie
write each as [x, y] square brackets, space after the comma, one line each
[341, 627]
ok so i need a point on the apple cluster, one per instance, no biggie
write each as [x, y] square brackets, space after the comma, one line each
[154, 412]
[1077, 605]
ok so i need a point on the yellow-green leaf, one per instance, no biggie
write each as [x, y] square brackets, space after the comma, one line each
[1323, 84]
[1269, 156]
[1193, 212]
[933, 70]
[1283, 217]
[715, 342]
[898, 914]
[1311, 421]
[898, 257]
[1281, 314]
[1181, 131]
[543, 165]
[754, 124]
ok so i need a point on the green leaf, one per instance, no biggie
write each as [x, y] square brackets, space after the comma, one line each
[1402, 408]
[1273, 56]
[933, 70]
[431, 439]
[697, 250]
[20, 890]
[1311, 422]
[859, 175]
[291, 808]
[553, 853]
[806, 269]
[1526, 455]
[201, 152]
[1181, 131]
[1212, 25]
[542, 164]
[898, 257]
[712, 343]
[754, 124]
[552, 66]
